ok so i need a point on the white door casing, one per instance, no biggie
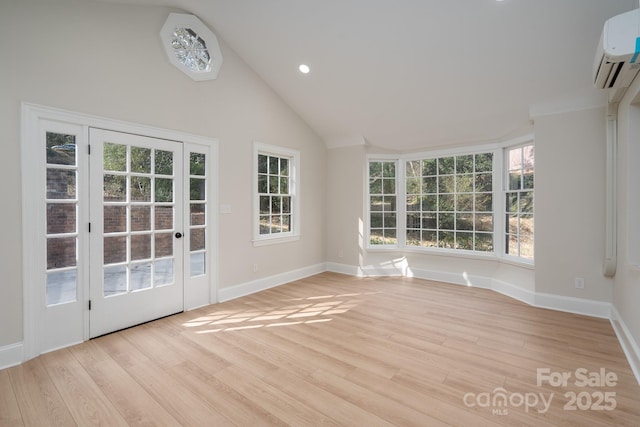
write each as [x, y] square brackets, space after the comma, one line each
[50, 326]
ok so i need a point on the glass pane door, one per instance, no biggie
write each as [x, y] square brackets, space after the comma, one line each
[62, 218]
[198, 245]
[197, 213]
[138, 241]
[139, 220]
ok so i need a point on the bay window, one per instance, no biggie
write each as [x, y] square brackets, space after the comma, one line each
[453, 202]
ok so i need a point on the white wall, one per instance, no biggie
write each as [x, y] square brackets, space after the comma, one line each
[345, 187]
[570, 204]
[627, 280]
[107, 60]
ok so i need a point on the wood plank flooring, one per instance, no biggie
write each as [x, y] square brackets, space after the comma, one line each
[335, 350]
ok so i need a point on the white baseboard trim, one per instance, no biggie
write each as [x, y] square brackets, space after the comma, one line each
[248, 288]
[582, 306]
[11, 355]
[628, 344]
[453, 278]
[536, 299]
[554, 302]
[513, 291]
[349, 270]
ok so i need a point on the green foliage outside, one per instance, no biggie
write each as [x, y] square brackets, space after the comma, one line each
[145, 174]
[449, 202]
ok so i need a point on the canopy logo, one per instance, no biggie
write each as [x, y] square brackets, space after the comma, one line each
[500, 400]
[595, 398]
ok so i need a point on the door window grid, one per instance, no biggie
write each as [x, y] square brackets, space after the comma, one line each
[138, 218]
[61, 218]
[51, 326]
[197, 213]
[519, 199]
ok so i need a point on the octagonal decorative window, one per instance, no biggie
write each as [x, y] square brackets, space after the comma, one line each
[191, 46]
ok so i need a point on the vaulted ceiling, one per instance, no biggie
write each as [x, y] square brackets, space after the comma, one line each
[414, 74]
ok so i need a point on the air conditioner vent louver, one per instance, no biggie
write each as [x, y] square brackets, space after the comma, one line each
[614, 74]
[616, 68]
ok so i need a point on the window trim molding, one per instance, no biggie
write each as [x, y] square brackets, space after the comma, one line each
[294, 187]
[367, 216]
[498, 150]
[517, 260]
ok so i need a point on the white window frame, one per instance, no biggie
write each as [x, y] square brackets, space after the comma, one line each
[432, 157]
[505, 189]
[294, 191]
[499, 172]
[399, 214]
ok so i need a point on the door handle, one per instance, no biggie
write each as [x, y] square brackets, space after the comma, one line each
[178, 235]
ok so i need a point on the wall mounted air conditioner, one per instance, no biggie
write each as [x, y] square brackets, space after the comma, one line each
[617, 60]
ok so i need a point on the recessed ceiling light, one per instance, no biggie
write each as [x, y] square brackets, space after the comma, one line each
[304, 68]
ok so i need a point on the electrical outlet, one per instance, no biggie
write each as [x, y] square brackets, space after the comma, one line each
[579, 282]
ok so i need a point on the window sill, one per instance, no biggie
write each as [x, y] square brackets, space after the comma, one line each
[436, 252]
[490, 256]
[518, 262]
[275, 240]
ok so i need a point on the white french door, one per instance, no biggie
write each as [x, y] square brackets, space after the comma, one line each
[118, 228]
[136, 240]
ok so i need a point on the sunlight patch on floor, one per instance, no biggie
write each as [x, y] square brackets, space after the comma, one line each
[307, 311]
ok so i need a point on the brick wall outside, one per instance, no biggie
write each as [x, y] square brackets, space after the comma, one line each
[61, 218]
[61, 184]
[61, 252]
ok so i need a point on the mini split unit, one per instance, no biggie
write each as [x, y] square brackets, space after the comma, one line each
[617, 59]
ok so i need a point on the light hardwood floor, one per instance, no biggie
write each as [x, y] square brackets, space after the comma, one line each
[333, 350]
